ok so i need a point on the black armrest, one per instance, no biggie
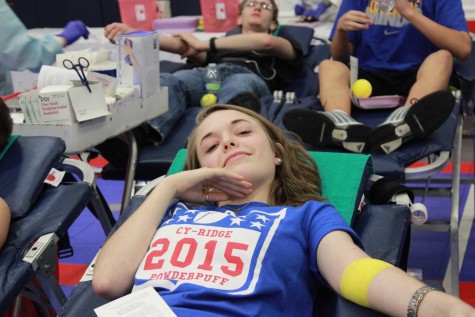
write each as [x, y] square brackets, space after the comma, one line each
[384, 231]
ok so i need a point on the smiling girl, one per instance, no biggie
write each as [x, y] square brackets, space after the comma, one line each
[245, 231]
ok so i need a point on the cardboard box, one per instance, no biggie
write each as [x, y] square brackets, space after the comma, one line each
[69, 104]
[139, 61]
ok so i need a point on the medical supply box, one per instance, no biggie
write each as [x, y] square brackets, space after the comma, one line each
[69, 104]
[139, 61]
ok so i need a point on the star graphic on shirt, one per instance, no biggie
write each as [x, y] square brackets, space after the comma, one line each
[236, 220]
[230, 213]
[263, 218]
[183, 218]
[166, 222]
[191, 211]
[257, 225]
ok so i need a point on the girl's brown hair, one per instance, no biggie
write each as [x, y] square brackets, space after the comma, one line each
[297, 179]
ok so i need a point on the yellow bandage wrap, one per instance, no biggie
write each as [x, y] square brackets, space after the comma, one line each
[357, 277]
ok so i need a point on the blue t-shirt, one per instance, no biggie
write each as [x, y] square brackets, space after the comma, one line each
[391, 43]
[260, 261]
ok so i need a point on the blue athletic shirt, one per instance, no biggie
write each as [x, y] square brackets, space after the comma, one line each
[260, 261]
[391, 43]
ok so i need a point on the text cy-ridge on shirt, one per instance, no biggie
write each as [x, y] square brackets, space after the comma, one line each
[260, 261]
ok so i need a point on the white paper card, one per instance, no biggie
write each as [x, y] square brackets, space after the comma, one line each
[140, 12]
[88, 105]
[55, 76]
[220, 11]
[145, 303]
[54, 177]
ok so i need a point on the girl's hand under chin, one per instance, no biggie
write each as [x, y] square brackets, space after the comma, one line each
[209, 185]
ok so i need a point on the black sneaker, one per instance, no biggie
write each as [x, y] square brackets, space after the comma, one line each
[322, 129]
[417, 121]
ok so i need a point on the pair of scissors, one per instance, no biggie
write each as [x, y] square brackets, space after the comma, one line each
[79, 68]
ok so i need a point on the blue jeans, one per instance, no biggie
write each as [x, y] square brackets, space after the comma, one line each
[186, 87]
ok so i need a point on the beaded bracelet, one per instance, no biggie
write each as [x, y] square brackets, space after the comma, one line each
[417, 299]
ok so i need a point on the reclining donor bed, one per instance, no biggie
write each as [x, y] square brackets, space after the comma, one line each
[436, 152]
[383, 228]
[40, 216]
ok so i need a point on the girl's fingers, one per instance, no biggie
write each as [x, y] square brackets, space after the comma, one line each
[224, 184]
[232, 183]
[195, 185]
[216, 195]
[231, 191]
[233, 187]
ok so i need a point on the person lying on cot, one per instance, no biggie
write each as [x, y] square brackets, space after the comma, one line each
[403, 49]
[252, 61]
[244, 231]
[6, 127]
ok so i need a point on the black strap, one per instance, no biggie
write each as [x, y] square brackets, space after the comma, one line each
[384, 189]
[212, 44]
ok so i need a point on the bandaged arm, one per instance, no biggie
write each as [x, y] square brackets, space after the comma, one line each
[384, 288]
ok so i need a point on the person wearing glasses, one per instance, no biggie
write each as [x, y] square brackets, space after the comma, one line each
[20, 51]
[252, 61]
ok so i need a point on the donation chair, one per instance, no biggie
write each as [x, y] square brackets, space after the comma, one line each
[436, 152]
[154, 160]
[466, 74]
[40, 215]
[383, 228]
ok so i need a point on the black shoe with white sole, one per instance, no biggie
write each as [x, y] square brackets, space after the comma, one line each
[417, 121]
[321, 129]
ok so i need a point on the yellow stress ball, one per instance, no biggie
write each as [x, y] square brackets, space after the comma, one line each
[361, 88]
[208, 100]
